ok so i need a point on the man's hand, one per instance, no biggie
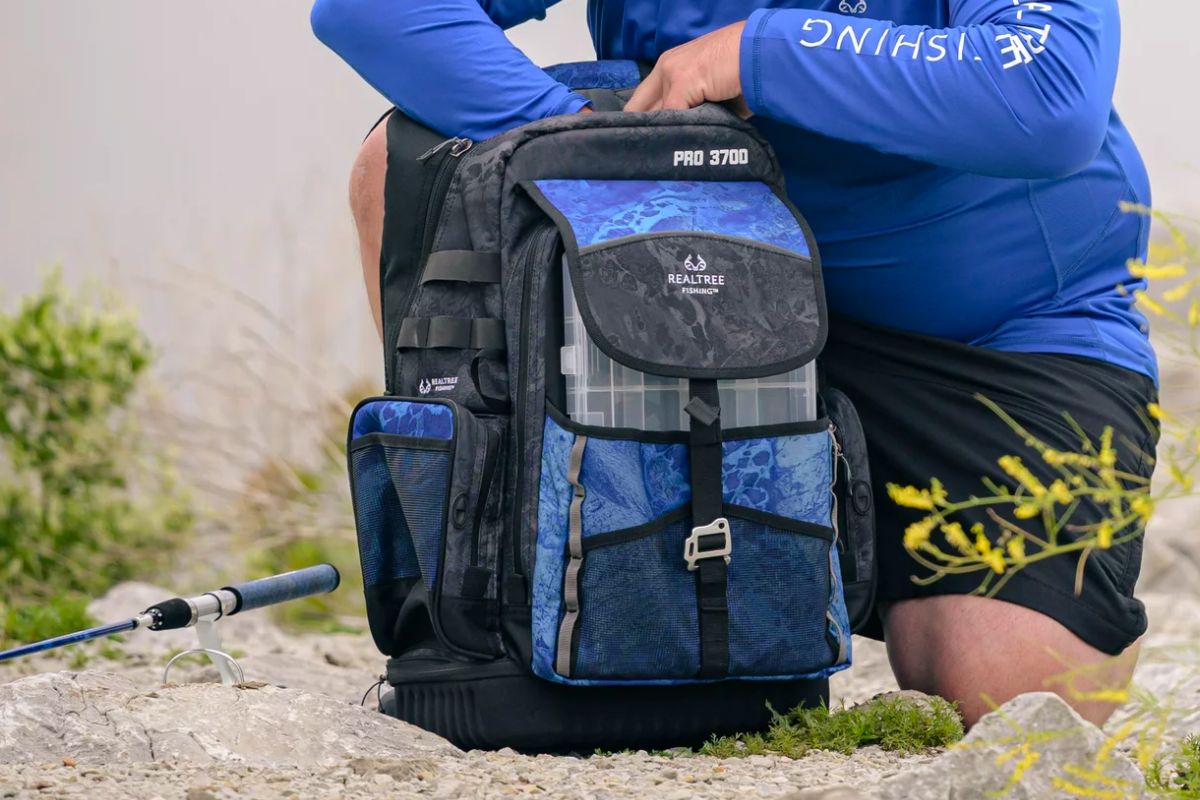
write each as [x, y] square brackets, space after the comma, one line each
[704, 69]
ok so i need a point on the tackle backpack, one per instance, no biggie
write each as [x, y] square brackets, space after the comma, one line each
[548, 585]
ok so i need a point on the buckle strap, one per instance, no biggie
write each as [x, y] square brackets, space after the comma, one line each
[461, 266]
[709, 549]
[427, 333]
[566, 629]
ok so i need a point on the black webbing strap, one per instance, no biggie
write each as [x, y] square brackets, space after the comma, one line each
[708, 548]
[462, 266]
[426, 333]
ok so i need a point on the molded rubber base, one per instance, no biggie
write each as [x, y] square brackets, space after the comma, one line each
[489, 706]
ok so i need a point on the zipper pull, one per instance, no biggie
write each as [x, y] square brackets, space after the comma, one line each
[837, 456]
[458, 145]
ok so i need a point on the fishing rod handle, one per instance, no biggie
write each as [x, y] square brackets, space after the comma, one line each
[320, 579]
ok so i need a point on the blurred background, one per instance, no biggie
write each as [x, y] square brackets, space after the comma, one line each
[193, 157]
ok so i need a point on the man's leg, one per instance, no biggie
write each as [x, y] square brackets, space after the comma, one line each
[965, 647]
[366, 203]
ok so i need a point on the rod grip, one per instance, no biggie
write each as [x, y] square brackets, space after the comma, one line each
[320, 579]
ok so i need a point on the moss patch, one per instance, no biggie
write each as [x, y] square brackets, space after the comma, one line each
[899, 724]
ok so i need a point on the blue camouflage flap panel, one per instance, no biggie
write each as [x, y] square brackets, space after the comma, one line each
[690, 279]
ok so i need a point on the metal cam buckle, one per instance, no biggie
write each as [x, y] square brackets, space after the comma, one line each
[694, 550]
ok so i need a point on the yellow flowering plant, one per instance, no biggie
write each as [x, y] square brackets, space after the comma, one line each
[1031, 520]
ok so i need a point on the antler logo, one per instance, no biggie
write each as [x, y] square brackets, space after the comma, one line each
[424, 387]
[699, 265]
[847, 7]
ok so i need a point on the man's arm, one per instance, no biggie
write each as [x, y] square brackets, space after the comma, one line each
[1012, 88]
[446, 63]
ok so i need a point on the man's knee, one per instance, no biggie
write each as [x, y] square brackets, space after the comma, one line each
[978, 651]
[367, 180]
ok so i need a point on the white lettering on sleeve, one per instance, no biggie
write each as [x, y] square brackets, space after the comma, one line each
[858, 42]
[902, 42]
[808, 28]
[934, 44]
[883, 38]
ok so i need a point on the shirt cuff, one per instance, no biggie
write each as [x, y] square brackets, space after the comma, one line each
[571, 104]
[750, 58]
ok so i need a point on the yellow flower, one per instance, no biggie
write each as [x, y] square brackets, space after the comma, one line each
[1027, 511]
[1157, 272]
[1142, 506]
[910, 497]
[957, 537]
[995, 560]
[1193, 315]
[1060, 492]
[1016, 470]
[1108, 456]
[917, 533]
[1104, 535]
[1149, 303]
[937, 492]
[1016, 549]
[1157, 412]
[982, 545]
[1182, 478]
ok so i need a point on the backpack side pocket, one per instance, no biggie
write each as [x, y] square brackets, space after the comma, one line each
[855, 509]
[424, 477]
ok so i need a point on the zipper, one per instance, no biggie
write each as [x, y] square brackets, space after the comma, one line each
[444, 171]
[516, 534]
[834, 577]
[458, 145]
[491, 449]
[838, 456]
[441, 180]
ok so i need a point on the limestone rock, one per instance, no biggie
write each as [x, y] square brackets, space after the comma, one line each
[339, 665]
[99, 718]
[1038, 730]
[829, 793]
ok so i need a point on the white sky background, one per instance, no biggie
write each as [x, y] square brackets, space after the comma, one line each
[196, 155]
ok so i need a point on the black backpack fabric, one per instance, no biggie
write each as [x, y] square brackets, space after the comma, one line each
[542, 584]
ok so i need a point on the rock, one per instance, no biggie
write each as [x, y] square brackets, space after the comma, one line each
[870, 675]
[339, 665]
[1170, 558]
[829, 793]
[1174, 682]
[99, 718]
[1038, 736]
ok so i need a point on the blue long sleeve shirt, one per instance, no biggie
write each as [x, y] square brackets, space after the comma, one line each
[960, 161]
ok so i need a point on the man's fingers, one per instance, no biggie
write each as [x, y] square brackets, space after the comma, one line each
[647, 94]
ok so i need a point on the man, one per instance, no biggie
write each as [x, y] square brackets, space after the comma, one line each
[962, 167]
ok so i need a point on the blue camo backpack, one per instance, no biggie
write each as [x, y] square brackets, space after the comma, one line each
[547, 583]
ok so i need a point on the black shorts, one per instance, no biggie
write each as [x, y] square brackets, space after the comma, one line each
[917, 399]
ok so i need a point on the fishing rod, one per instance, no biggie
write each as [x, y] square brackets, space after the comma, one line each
[185, 612]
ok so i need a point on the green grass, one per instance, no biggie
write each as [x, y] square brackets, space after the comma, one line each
[1177, 776]
[898, 724]
[36, 620]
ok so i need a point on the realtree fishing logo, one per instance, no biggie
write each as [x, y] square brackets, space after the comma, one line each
[846, 7]
[691, 282]
[429, 385]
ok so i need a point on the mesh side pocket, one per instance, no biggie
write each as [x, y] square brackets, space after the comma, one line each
[638, 610]
[421, 479]
[778, 598]
[385, 545]
[400, 488]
